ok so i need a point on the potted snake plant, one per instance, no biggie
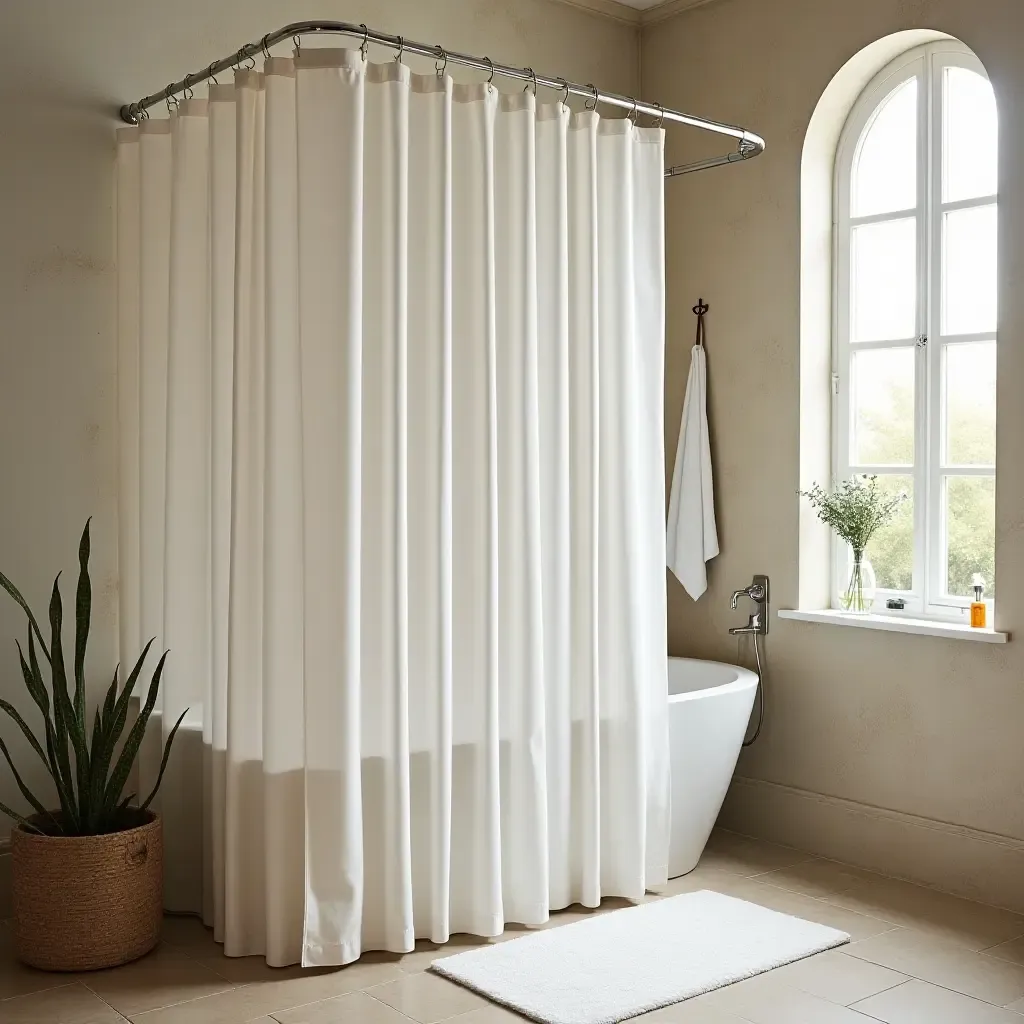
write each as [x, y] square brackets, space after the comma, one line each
[88, 874]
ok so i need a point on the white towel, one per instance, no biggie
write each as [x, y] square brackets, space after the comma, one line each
[692, 535]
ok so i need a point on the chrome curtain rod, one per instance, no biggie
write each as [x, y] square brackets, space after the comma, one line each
[748, 143]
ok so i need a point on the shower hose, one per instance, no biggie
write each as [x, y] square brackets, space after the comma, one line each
[760, 694]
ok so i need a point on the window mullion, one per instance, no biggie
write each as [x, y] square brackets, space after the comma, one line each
[921, 389]
[933, 528]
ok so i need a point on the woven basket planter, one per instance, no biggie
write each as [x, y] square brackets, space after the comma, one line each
[86, 902]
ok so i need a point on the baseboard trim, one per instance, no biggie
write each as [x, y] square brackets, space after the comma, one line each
[969, 862]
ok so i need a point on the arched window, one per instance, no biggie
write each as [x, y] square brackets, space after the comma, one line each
[914, 339]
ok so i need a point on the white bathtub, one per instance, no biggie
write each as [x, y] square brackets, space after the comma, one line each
[709, 707]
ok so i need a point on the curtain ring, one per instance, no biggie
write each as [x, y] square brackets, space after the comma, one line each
[142, 113]
[632, 114]
[297, 43]
[170, 98]
[490, 64]
[439, 67]
[593, 88]
[533, 78]
[401, 48]
[187, 91]
[210, 74]
[364, 46]
[661, 115]
[263, 47]
[565, 86]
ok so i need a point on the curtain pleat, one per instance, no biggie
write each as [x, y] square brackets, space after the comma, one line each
[390, 376]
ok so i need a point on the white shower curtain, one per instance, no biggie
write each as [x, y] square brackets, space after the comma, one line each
[392, 493]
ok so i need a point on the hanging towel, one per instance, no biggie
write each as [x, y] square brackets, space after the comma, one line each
[692, 535]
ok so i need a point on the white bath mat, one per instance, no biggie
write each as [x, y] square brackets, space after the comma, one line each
[626, 962]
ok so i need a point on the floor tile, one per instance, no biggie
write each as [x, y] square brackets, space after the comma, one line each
[703, 876]
[427, 998]
[943, 963]
[745, 856]
[162, 978]
[1012, 951]
[494, 1014]
[969, 924]
[426, 953]
[691, 1011]
[768, 1000]
[266, 998]
[188, 932]
[819, 878]
[354, 1008]
[917, 1002]
[15, 978]
[68, 1004]
[839, 978]
[857, 926]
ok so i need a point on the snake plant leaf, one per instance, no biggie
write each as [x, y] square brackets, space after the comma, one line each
[123, 805]
[108, 703]
[119, 776]
[25, 791]
[56, 747]
[22, 821]
[83, 610]
[33, 625]
[163, 760]
[35, 687]
[101, 758]
[20, 722]
[62, 701]
[64, 790]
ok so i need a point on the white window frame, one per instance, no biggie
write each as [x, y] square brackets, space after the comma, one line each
[926, 598]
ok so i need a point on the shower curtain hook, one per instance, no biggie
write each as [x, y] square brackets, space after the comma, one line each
[632, 114]
[364, 46]
[401, 49]
[210, 74]
[170, 98]
[490, 64]
[297, 43]
[187, 91]
[441, 68]
[565, 86]
[593, 88]
[533, 77]
[661, 115]
[263, 46]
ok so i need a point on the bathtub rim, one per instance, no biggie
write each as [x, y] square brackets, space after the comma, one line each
[745, 679]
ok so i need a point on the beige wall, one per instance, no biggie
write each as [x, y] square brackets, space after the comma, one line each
[64, 67]
[923, 726]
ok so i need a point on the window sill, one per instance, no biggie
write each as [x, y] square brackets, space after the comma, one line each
[898, 624]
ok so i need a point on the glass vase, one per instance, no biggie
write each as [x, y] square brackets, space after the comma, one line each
[858, 594]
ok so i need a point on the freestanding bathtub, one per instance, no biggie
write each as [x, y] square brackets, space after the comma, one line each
[709, 706]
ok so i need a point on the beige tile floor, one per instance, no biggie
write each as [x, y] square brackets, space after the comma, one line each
[917, 957]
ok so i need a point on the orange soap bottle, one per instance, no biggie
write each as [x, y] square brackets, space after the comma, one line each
[978, 609]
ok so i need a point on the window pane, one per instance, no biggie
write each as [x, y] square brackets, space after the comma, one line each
[970, 533]
[882, 407]
[884, 280]
[969, 270]
[885, 172]
[970, 388]
[891, 549]
[970, 135]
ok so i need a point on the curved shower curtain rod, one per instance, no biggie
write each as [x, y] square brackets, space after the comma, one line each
[749, 144]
